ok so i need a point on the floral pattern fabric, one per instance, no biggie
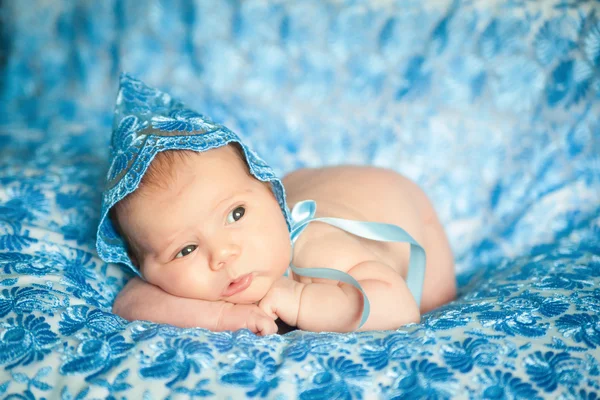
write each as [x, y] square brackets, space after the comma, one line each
[492, 107]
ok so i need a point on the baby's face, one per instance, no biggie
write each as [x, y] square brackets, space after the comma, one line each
[216, 233]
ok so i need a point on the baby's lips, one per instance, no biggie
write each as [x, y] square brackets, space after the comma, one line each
[238, 285]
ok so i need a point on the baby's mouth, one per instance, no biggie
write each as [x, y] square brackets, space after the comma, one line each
[238, 285]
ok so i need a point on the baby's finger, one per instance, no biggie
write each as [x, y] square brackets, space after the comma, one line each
[268, 309]
[272, 327]
[267, 326]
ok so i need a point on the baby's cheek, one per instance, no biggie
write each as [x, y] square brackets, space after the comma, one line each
[174, 281]
[284, 252]
[275, 255]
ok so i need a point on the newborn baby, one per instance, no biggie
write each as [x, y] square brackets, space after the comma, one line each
[205, 224]
[212, 244]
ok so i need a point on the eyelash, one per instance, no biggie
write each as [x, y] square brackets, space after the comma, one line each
[195, 246]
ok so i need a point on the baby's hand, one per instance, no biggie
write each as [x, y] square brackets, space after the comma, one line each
[283, 300]
[236, 316]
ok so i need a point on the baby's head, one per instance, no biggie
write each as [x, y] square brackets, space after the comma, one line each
[201, 226]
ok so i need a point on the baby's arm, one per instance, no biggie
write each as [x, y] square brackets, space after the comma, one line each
[140, 300]
[392, 304]
[337, 308]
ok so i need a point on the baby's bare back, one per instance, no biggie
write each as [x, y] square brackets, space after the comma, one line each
[377, 195]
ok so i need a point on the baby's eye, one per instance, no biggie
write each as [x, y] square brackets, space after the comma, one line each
[187, 250]
[236, 214]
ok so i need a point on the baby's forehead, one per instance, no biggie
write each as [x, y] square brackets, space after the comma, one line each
[214, 158]
[170, 166]
[222, 169]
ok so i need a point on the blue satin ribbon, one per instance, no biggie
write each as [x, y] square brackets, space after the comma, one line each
[303, 213]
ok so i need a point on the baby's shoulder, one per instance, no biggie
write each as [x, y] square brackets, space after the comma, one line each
[322, 245]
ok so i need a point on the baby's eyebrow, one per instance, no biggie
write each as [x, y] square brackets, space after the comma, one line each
[164, 249]
[224, 200]
[228, 198]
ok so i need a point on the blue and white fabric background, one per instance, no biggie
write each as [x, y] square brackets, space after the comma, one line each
[492, 107]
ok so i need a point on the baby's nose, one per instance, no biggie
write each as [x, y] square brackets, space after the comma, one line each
[223, 256]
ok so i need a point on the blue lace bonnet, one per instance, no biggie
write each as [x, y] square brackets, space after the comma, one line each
[146, 122]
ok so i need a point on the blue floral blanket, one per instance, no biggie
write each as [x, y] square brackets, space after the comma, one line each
[492, 107]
